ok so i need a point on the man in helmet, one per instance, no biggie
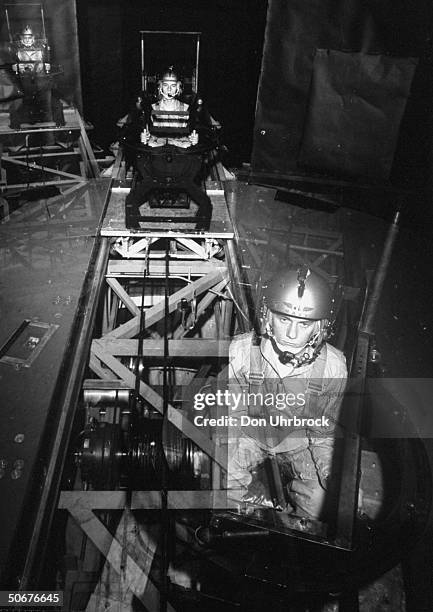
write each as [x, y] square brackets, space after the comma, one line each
[167, 171]
[31, 54]
[169, 115]
[41, 101]
[169, 88]
[296, 373]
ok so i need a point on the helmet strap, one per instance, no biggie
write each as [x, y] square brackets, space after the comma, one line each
[308, 355]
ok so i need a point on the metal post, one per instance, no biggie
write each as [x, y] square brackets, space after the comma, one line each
[379, 277]
[143, 76]
[197, 59]
[43, 23]
[9, 25]
[241, 302]
[350, 452]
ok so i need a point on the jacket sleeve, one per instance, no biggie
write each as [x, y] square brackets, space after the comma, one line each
[323, 440]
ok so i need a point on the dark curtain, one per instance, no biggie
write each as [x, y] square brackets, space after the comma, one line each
[285, 110]
[356, 103]
[62, 31]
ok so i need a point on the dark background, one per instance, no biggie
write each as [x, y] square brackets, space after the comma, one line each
[380, 28]
[230, 57]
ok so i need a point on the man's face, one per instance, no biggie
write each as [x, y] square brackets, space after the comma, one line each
[292, 333]
[28, 40]
[169, 89]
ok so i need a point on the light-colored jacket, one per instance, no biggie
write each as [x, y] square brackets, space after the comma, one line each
[305, 452]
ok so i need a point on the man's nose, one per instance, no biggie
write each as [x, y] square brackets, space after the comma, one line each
[291, 329]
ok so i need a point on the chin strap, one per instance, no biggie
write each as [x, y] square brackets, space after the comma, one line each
[308, 355]
[311, 350]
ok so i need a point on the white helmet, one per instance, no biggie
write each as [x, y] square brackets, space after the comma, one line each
[301, 293]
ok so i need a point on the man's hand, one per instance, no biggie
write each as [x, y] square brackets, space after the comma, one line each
[307, 498]
[257, 494]
[144, 136]
[193, 138]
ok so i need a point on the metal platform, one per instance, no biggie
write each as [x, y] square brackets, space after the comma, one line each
[72, 122]
[220, 227]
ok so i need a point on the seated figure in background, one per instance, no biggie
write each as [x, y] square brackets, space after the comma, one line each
[164, 174]
[40, 103]
[169, 115]
[31, 56]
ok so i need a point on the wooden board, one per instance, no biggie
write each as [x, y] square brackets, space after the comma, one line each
[71, 123]
[220, 225]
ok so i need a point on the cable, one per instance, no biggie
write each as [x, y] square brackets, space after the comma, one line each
[165, 519]
[27, 160]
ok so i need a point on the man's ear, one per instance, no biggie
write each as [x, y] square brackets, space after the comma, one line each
[324, 328]
[265, 323]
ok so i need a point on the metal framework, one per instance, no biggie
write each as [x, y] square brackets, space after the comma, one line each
[194, 265]
[319, 249]
[151, 275]
[44, 160]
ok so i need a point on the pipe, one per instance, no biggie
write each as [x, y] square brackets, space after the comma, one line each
[237, 286]
[379, 277]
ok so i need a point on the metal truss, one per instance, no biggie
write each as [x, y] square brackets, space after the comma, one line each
[134, 309]
[41, 164]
